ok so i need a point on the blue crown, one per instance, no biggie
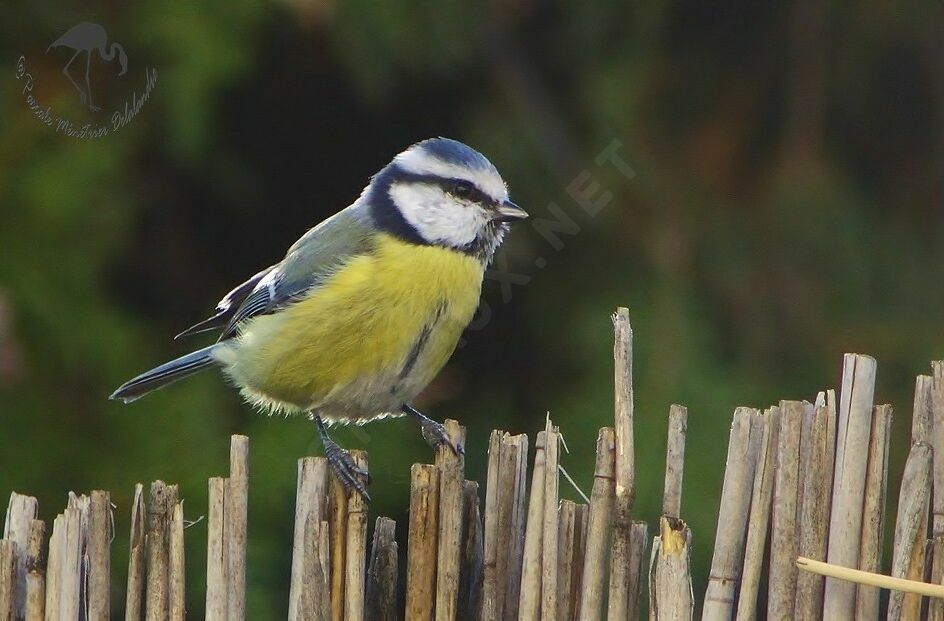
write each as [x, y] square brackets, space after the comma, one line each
[455, 152]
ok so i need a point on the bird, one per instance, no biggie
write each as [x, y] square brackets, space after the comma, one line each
[85, 37]
[367, 307]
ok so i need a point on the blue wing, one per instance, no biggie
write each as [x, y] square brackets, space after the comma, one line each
[318, 254]
[227, 307]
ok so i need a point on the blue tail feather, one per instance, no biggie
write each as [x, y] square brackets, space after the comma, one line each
[167, 373]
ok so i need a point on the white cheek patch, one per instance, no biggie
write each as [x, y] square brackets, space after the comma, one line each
[419, 162]
[437, 216]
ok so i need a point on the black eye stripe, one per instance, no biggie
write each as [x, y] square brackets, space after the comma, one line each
[448, 185]
[468, 192]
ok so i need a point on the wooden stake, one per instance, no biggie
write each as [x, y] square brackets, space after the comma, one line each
[931, 390]
[134, 596]
[581, 526]
[237, 512]
[8, 579]
[217, 554]
[638, 544]
[157, 552]
[598, 527]
[314, 598]
[20, 512]
[805, 456]
[832, 423]
[356, 555]
[743, 448]
[619, 604]
[675, 461]
[623, 398]
[54, 568]
[422, 552]
[761, 496]
[381, 594]
[814, 516]
[337, 508]
[529, 608]
[509, 537]
[36, 573]
[470, 570]
[911, 530]
[910, 559]
[177, 595]
[451, 477]
[99, 548]
[933, 394]
[783, 535]
[670, 582]
[310, 500]
[936, 606]
[922, 415]
[873, 512]
[565, 559]
[513, 523]
[490, 544]
[937, 443]
[845, 525]
[550, 534]
[70, 577]
[324, 557]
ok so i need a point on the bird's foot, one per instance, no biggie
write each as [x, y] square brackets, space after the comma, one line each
[342, 464]
[434, 433]
[94, 108]
[349, 473]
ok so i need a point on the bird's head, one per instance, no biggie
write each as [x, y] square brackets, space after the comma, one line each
[442, 192]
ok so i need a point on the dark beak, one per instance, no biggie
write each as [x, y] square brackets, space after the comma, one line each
[508, 211]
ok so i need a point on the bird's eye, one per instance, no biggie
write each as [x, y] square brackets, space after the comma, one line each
[462, 189]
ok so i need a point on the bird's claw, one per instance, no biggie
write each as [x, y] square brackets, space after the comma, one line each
[435, 435]
[347, 471]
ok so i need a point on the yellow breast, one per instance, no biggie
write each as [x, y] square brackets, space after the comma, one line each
[354, 334]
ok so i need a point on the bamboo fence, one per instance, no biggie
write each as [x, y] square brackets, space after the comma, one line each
[801, 517]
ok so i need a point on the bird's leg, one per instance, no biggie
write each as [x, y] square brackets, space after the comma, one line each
[88, 65]
[434, 433]
[341, 462]
[65, 71]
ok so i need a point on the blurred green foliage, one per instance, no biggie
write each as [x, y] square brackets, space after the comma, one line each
[786, 207]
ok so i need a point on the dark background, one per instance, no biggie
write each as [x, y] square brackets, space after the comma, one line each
[785, 207]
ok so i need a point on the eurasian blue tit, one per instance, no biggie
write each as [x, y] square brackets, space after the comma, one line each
[367, 307]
